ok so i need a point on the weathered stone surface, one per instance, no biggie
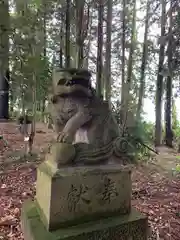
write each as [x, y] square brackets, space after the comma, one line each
[75, 108]
[61, 154]
[127, 227]
[73, 195]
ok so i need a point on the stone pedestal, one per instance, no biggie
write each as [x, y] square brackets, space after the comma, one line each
[68, 196]
[131, 226]
[77, 203]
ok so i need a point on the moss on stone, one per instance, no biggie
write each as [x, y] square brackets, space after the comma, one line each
[49, 197]
[80, 220]
[32, 226]
[95, 170]
[134, 224]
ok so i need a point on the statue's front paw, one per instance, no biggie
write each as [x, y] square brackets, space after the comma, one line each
[64, 137]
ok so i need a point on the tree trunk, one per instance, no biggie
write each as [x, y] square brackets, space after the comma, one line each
[11, 99]
[34, 99]
[123, 52]
[67, 41]
[174, 115]
[100, 48]
[79, 32]
[159, 85]
[179, 148]
[61, 43]
[143, 64]
[42, 102]
[88, 36]
[131, 50]
[169, 133]
[4, 60]
[44, 29]
[127, 86]
[108, 52]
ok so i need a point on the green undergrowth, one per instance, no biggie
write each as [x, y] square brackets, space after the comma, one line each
[140, 137]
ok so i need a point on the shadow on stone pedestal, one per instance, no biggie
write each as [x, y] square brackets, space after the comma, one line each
[83, 203]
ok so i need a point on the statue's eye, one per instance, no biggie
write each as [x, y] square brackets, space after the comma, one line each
[64, 82]
[54, 99]
[61, 82]
[69, 83]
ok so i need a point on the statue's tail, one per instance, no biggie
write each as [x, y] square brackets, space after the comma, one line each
[89, 154]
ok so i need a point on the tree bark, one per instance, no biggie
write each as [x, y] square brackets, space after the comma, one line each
[123, 52]
[42, 102]
[108, 53]
[61, 43]
[143, 64]
[127, 86]
[168, 109]
[88, 46]
[44, 28]
[80, 32]
[34, 100]
[4, 60]
[131, 50]
[159, 84]
[67, 42]
[99, 69]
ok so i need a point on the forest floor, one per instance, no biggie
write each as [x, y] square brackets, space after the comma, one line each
[156, 192]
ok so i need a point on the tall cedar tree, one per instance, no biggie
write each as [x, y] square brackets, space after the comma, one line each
[168, 109]
[4, 60]
[159, 84]
[100, 48]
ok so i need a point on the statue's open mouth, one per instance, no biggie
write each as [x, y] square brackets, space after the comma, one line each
[81, 136]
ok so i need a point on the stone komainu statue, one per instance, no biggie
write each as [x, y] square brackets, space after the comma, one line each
[83, 119]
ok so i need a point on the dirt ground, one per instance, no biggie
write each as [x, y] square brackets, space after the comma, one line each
[156, 192]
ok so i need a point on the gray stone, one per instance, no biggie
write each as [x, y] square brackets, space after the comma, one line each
[73, 195]
[126, 227]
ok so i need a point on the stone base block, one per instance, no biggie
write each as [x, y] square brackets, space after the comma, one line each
[75, 195]
[132, 226]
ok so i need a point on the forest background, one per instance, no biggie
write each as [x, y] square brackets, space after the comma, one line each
[132, 48]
